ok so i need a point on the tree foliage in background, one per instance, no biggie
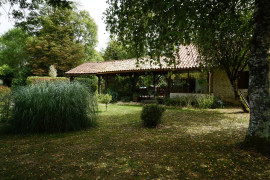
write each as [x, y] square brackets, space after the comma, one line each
[85, 32]
[116, 51]
[223, 36]
[19, 7]
[159, 27]
[12, 50]
[55, 44]
[84, 28]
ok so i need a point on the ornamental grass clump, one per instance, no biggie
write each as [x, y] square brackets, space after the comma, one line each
[151, 115]
[5, 104]
[53, 107]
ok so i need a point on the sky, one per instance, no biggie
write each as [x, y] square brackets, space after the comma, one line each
[94, 7]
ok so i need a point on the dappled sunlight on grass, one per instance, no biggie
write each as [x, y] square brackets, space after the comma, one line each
[189, 144]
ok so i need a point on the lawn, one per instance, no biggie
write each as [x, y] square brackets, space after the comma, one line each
[189, 144]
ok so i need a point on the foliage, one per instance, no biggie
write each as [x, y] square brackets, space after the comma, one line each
[6, 71]
[116, 51]
[21, 76]
[52, 107]
[202, 102]
[151, 115]
[84, 29]
[52, 71]
[12, 50]
[122, 87]
[38, 79]
[55, 44]
[207, 102]
[114, 94]
[89, 82]
[105, 98]
[223, 40]
[85, 32]
[18, 7]
[177, 101]
[5, 103]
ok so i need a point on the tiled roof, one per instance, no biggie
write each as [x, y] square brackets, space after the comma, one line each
[187, 59]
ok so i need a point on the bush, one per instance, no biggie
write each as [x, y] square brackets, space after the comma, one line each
[52, 107]
[177, 101]
[5, 104]
[38, 79]
[151, 115]
[105, 98]
[90, 84]
[206, 102]
[114, 94]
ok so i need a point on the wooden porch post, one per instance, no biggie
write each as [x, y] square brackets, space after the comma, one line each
[155, 85]
[188, 81]
[99, 84]
[71, 78]
[169, 86]
[106, 82]
[210, 82]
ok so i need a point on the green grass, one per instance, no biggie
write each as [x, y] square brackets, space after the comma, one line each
[189, 144]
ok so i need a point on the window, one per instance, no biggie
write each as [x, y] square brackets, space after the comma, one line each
[189, 82]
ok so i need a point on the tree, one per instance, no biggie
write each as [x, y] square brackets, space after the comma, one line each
[258, 134]
[85, 32]
[55, 44]
[18, 7]
[116, 51]
[159, 27]
[223, 40]
[84, 28]
[12, 50]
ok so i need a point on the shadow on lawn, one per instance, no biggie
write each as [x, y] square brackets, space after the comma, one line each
[189, 144]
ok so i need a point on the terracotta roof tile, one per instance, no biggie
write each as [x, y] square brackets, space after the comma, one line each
[187, 59]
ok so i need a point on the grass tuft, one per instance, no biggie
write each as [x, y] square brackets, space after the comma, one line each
[53, 107]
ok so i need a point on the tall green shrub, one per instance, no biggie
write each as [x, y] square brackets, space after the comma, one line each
[5, 104]
[53, 107]
[41, 79]
[90, 83]
[206, 102]
[151, 115]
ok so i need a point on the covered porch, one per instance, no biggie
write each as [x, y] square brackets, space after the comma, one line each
[183, 78]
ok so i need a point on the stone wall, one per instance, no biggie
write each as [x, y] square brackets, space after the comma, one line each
[221, 86]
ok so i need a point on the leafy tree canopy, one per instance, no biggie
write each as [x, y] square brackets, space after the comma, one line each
[84, 28]
[159, 27]
[18, 7]
[55, 44]
[116, 51]
[12, 50]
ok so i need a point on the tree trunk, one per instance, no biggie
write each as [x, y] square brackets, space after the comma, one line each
[258, 134]
[235, 89]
